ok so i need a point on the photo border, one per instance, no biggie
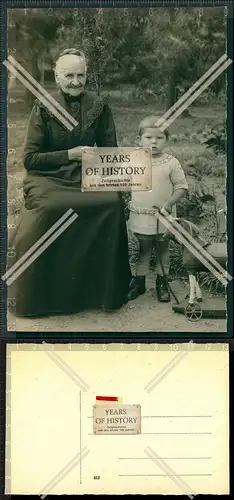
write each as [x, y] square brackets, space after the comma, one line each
[114, 336]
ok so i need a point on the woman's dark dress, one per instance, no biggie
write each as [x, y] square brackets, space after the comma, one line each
[87, 265]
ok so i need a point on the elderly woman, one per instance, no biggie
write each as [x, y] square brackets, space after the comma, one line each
[87, 265]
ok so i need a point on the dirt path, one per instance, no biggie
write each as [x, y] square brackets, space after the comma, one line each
[142, 315]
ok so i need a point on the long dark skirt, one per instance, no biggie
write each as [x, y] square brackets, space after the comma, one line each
[86, 267]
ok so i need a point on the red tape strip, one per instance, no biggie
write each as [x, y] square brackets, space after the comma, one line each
[106, 398]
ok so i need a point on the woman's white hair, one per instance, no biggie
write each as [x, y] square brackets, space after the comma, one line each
[72, 52]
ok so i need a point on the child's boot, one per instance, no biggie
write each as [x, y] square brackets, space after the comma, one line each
[137, 287]
[162, 290]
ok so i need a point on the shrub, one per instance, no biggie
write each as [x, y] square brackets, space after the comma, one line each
[197, 160]
[177, 269]
[191, 207]
[126, 199]
[212, 284]
[215, 137]
[205, 164]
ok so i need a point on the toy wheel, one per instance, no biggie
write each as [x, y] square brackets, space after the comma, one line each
[193, 312]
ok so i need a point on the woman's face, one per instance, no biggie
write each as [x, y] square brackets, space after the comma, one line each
[70, 74]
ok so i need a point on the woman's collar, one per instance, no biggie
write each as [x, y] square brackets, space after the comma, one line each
[69, 98]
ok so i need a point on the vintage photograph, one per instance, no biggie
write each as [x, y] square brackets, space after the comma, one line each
[117, 260]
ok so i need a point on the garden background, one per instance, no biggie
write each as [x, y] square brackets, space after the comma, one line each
[145, 59]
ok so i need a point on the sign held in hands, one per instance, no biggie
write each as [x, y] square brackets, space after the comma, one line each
[116, 169]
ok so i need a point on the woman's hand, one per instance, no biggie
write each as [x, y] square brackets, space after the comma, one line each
[75, 154]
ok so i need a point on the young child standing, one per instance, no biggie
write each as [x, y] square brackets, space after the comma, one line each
[168, 186]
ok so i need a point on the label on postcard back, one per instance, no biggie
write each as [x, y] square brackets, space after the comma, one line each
[113, 419]
[116, 169]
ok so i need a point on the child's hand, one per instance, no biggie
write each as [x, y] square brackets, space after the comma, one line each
[167, 207]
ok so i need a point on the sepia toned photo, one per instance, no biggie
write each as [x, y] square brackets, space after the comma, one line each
[88, 258]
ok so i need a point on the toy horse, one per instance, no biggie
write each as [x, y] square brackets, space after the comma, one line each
[217, 250]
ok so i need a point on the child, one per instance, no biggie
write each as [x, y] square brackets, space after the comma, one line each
[168, 187]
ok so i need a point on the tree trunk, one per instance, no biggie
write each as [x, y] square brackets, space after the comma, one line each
[42, 79]
[172, 91]
[33, 70]
[174, 78]
[98, 78]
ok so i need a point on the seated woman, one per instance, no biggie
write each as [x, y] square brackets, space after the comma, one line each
[87, 265]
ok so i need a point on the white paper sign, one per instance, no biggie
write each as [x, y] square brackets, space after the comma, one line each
[116, 169]
[120, 419]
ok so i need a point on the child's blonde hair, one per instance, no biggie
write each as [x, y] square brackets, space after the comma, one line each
[150, 122]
